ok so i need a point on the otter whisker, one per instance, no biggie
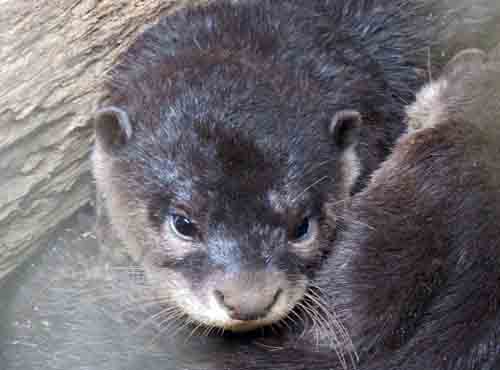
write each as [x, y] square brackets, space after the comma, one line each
[289, 317]
[152, 318]
[191, 333]
[166, 324]
[208, 330]
[334, 325]
[347, 217]
[222, 331]
[300, 320]
[135, 306]
[186, 323]
[329, 320]
[308, 313]
[308, 187]
[322, 323]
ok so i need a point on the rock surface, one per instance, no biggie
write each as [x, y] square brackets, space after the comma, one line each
[54, 55]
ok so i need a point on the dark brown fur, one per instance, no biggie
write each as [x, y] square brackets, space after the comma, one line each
[250, 120]
[415, 276]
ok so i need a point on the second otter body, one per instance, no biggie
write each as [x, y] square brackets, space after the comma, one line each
[425, 285]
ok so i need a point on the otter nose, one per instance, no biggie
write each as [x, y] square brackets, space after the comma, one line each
[247, 303]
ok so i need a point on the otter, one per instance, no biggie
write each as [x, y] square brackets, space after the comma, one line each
[234, 134]
[415, 273]
[428, 231]
[85, 317]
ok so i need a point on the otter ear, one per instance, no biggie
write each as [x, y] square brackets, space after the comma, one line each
[466, 61]
[345, 128]
[112, 127]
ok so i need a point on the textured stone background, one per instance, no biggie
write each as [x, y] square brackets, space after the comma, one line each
[53, 56]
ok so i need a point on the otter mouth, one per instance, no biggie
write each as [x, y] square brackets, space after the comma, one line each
[249, 325]
[237, 305]
[236, 325]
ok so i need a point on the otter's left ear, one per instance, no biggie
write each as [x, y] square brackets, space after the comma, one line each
[346, 127]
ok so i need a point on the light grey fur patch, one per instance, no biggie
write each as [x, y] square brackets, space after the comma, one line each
[351, 169]
[429, 107]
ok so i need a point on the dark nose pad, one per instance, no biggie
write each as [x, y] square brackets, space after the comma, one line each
[247, 305]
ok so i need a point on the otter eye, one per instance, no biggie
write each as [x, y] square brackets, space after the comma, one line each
[183, 226]
[301, 231]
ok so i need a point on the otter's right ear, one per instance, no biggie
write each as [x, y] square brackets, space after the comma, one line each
[466, 61]
[112, 127]
[345, 128]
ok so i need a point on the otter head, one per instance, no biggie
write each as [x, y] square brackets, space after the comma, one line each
[228, 197]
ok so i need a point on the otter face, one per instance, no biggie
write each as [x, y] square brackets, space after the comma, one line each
[230, 220]
[237, 274]
[229, 230]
